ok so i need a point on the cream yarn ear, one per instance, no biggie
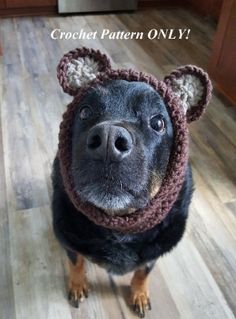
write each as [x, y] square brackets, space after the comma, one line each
[189, 89]
[193, 87]
[81, 71]
[79, 67]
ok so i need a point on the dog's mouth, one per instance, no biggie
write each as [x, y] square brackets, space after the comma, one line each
[109, 200]
[109, 190]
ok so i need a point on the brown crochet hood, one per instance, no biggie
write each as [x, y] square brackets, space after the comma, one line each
[186, 93]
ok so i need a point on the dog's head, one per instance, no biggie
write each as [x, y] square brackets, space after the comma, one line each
[122, 134]
[122, 138]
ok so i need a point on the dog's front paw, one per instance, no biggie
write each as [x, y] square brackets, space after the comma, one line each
[140, 302]
[77, 292]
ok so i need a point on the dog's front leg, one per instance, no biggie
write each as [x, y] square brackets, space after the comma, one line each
[78, 285]
[139, 299]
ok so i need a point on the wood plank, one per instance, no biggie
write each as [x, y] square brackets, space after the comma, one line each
[221, 145]
[214, 172]
[199, 297]
[232, 207]
[24, 171]
[226, 123]
[7, 306]
[159, 294]
[40, 272]
[36, 266]
[212, 228]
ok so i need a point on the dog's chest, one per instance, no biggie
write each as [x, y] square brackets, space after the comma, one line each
[119, 254]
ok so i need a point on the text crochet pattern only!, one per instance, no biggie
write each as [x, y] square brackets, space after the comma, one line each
[152, 34]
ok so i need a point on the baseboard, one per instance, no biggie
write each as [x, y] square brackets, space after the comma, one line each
[14, 12]
[159, 3]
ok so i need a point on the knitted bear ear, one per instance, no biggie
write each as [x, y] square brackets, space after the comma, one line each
[193, 87]
[80, 66]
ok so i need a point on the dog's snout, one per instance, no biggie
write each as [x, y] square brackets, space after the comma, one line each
[109, 142]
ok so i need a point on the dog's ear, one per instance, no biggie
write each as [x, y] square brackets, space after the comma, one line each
[193, 87]
[80, 66]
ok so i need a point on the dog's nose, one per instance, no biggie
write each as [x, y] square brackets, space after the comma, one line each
[109, 142]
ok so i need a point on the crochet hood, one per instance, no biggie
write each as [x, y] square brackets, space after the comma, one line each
[186, 93]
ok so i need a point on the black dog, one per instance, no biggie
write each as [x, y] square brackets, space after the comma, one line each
[120, 152]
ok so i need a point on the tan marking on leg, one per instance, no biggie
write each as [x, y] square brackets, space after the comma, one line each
[78, 285]
[139, 293]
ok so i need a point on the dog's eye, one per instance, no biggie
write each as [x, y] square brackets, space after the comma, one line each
[85, 112]
[157, 123]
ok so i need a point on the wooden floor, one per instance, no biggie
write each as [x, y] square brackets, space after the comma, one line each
[197, 280]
